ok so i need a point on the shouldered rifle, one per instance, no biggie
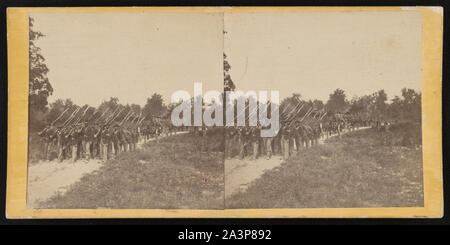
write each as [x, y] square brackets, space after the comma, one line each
[307, 114]
[82, 115]
[114, 118]
[126, 117]
[111, 115]
[67, 122]
[101, 116]
[288, 115]
[60, 115]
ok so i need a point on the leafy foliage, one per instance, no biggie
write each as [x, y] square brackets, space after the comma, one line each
[337, 102]
[228, 84]
[155, 106]
[39, 85]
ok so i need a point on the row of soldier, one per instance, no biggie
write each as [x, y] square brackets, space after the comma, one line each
[88, 141]
[79, 136]
[297, 131]
[104, 139]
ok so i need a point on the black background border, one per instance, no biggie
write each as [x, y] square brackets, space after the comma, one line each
[215, 224]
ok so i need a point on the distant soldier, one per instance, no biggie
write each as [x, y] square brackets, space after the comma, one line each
[254, 139]
[285, 134]
[105, 142]
[267, 145]
[88, 141]
[48, 135]
[122, 139]
[75, 141]
[298, 135]
[292, 143]
[128, 139]
[242, 136]
[230, 140]
[134, 138]
[115, 135]
[97, 146]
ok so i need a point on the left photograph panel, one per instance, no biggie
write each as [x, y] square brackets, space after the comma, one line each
[101, 89]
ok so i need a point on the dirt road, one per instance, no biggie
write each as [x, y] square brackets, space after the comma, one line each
[240, 173]
[48, 178]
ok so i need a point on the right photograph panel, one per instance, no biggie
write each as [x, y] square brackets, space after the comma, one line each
[348, 130]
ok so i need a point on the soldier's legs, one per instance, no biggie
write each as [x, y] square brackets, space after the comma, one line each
[45, 151]
[255, 147]
[268, 144]
[60, 153]
[285, 147]
[79, 150]
[110, 150]
[276, 145]
[87, 146]
[298, 143]
[74, 152]
[262, 147]
[104, 150]
[116, 148]
[241, 150]
[292, 146]
[83, 149]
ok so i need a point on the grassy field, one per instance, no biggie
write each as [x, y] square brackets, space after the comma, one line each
[173, 174]
[365, 168]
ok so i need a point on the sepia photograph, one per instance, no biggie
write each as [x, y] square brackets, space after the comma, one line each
[224, 112]
[99, 109]
[350, 110]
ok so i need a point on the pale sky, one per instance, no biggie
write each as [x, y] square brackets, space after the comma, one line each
[315, 53]
[93, 56]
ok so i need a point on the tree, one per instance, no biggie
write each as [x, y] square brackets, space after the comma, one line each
[380, 105]
[337, 103]
[136, 108]
[110, 104]
[39, 86]
[56, 109]
[412, 104]
[228, 83]
[154, 107]
[318, 104]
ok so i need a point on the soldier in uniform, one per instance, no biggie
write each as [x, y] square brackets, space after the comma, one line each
[121, 138]
[127, 137]
[230, 140]
[97, 146]
[134, 138]
[285, 135]
[115, 139]
[297, 131]
[105, 142]
[254, 133]
[241, 131]
[60, 141]
[267, 145]
[88, 139]
[74, 139]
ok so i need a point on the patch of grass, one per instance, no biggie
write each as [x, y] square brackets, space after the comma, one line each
[172, 174]
[365, 168]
